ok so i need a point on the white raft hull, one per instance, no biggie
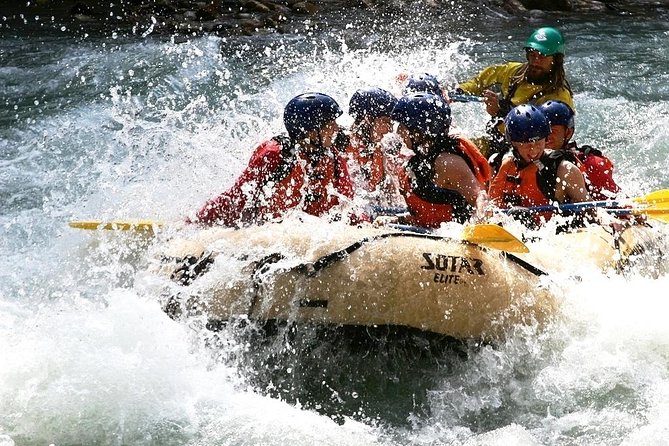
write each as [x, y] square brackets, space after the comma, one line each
[638, 249]
[342, 275]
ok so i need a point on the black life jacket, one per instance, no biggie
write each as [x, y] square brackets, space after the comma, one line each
[422, 179]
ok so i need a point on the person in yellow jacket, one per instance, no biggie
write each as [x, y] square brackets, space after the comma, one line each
[536, 81]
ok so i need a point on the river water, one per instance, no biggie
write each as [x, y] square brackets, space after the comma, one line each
[118, 126]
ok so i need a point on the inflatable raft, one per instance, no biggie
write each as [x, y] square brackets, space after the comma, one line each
[343, 275]
[334, 274]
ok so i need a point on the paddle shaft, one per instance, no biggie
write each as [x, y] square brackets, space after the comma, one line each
[658, 196]
[565, 207]
[455, 97]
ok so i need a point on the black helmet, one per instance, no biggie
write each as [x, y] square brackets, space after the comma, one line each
[423, 113]
[372, 102]
[309, 111]
[425, 83]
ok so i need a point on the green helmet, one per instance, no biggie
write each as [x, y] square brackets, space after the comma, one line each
[548, 41]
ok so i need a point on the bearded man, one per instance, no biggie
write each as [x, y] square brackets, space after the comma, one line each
[540, 79]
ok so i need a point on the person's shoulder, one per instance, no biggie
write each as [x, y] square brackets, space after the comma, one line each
[451, 159]
[565, 164]
[270, 145]
[269, 151]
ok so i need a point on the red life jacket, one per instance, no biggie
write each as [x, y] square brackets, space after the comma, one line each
[597, 169]
[274, 181]
[431, 205]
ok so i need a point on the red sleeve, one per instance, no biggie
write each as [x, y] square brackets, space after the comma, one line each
[237, 204]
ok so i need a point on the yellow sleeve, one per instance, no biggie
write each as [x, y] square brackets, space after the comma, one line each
[494, 74]
[524, 93]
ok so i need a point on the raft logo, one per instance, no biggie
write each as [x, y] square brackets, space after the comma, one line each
[455, 265]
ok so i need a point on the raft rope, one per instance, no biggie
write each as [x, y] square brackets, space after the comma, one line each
[312, 268]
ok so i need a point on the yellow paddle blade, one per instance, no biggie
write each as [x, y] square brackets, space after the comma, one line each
[658, 212]
[658, 196]
[493, 236]
[117, 225]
